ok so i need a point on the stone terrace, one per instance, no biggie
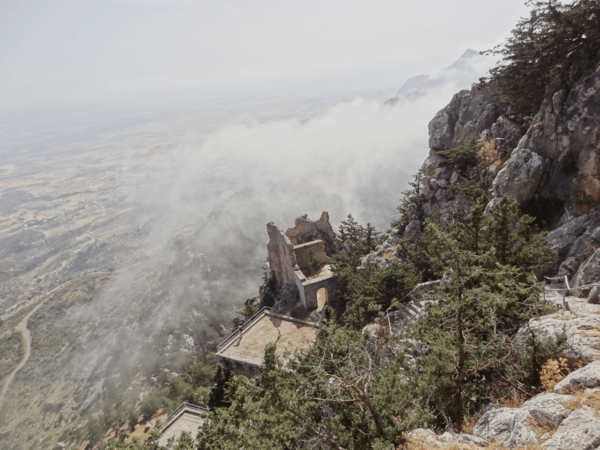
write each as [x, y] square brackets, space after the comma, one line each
[244, 350]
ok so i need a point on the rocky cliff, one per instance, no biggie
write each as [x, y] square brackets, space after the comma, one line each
[551, 167]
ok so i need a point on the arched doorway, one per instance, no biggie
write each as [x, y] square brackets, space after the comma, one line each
[321, 298]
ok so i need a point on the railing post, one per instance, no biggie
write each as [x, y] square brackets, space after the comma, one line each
[544, 292]
[567, 287]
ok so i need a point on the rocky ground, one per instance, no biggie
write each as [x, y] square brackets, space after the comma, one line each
[567, 416]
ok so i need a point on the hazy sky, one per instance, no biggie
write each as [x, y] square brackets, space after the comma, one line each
[80, 46]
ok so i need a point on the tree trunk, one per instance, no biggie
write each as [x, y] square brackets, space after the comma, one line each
[460, 366]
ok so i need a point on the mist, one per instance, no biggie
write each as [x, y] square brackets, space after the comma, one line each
[145, 144]
[68, 53]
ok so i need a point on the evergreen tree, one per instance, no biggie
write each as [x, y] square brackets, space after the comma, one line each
[491, 293]
[339, 393]
[216, 397]
[549, 50]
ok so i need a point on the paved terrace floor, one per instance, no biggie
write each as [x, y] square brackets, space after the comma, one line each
[288, 333]
[187, 420]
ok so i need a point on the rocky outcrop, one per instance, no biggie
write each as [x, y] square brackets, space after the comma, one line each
[570, 414]
[579, 431]
[586, 377]
[471, 115]
[553, 171]
[466, 116]
[521, 176]
[448, 439]
[573, 240]
[577, 428]
[557, 163]
[580, 327]
[508, 426]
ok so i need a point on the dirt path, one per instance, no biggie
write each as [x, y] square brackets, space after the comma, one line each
[22, 327]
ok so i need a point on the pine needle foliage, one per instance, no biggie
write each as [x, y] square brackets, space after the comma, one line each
[490, 264]
[339, 394]
[549, 50]
[366, 289]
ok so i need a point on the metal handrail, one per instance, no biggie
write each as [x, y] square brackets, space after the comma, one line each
[181, 407]
[566, 288]
[243, 327]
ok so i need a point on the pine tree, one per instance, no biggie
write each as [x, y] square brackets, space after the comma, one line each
[340, 393]
[549, 50]
[490, 295]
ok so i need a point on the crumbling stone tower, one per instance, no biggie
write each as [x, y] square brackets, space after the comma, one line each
[289, 286]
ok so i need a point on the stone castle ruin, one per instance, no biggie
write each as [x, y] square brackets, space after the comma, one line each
[293, 286]
[299, 283]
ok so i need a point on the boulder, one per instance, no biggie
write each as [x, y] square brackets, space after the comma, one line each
[521, 176]
[420, 433]
[588, 272]
[579, 431]
[594, 297]
[548, 409]
[447, 439]
[586, 377]
[580, 326]
[507, 425]
[412, 229]
[467, 115]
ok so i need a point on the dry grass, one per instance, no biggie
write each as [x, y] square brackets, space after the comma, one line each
[581, 398]
[553, 372]
[422, 445]
[516, 401]
[538, 428]
[470, 424]
[588, 327]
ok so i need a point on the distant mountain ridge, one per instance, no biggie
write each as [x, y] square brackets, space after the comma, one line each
[459, 75]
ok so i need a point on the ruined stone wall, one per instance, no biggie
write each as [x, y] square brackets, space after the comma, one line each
[282, 263]
[307, 230]
[281, 255]
[302, 254]
[239, 367]
[311, 287]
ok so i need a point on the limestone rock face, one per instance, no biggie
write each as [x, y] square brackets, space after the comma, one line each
[586, 377]
[588, 272]
[572, 240]
[467, 115]
[579, 431]
[508, 426]
[560, 153]
[580, 326]
[521, 176]
[552, 169]
[548, 409]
